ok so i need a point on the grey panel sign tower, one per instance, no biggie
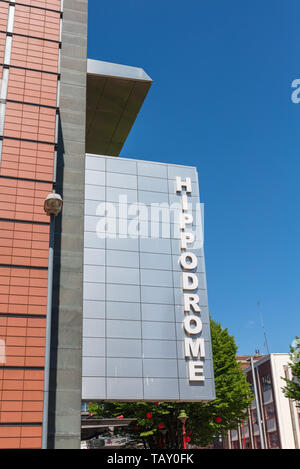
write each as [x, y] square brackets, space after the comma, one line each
[146, 332]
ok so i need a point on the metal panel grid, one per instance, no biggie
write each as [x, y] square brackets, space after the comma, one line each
[133, 336]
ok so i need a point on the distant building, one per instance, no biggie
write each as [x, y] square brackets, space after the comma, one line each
[280, 415]
[244, 360]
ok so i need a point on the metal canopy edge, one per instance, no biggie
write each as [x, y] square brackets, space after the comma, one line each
[115, 95]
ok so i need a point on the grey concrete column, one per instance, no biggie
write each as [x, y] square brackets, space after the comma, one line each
[66, 346]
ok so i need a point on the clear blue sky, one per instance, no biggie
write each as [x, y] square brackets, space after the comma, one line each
[221, 100]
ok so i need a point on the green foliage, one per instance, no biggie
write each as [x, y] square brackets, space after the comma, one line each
[292, 388]
[157, 425]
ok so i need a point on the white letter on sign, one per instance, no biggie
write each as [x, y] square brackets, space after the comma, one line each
[194, 348]
[185, 219]
[196, 371]
[185, 239]
[187, 324]
[193, 261]
[189, 281]
[180, 184]
[191, 301]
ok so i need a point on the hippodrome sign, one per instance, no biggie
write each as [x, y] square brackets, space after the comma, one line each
[194, 348]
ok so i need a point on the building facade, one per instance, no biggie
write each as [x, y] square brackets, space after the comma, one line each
[30, 38]
[137, 336]
[280, 416]
[58, 112]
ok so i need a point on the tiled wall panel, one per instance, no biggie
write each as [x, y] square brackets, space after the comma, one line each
[34, 54]
[29, 160]
[3, 15]
[23, 200]
[35, 22]
[23, 291]
[2, 46]
[133, 315]
[26, 178]
[32, 87]
[20, 437]
[24, 121]
[49, 4]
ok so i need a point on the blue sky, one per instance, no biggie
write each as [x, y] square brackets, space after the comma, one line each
[221, 100]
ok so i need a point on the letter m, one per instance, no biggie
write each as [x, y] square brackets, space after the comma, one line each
[194, 348]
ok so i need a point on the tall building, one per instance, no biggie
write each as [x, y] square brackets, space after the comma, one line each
[129, 310]
[279, 415]
[30, 39]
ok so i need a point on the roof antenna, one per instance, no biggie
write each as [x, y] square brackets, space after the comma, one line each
[262, 325]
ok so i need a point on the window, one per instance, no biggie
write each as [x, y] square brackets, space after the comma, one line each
[84, 406]
[248, 443]
[266, 382]
[254, 416]
[235, 444]
[273, 440]
[269, 411]
[257, 443]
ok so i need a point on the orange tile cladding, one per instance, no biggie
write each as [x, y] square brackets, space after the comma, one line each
[10, 432]
[30, 443]
[26, 172]
[10, 443]
[2, 47]
[34, 54]
[36, 22]
[23, 121]
[23, 200]
[34, 160]
[24, 299]
[20, 443]
[50, 4]
[32, 87]
[3, 15]
[22, 390]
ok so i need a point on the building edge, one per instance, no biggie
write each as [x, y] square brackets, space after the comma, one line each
[64, 431]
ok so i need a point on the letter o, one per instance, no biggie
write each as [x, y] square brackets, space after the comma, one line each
[184, 260]
[187, 324]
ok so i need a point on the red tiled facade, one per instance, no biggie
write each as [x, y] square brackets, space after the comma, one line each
[3, 15]
[29, 54]
[34, 54]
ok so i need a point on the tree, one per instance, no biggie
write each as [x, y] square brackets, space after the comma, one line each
[292, 388]
[157, 424]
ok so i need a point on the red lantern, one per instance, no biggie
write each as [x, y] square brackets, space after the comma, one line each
[187, 439]
[218, 419]
[161, 426]
[149, 415]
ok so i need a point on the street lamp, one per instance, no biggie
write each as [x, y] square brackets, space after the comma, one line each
[53, 204]
[183, 417]
[52, 207]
